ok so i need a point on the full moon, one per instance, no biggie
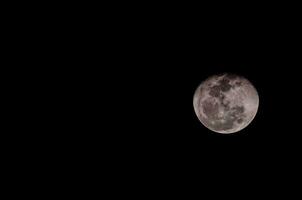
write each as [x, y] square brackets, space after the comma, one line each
[226, 103]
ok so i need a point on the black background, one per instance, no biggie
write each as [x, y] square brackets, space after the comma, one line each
[119, 93]
[159, 64]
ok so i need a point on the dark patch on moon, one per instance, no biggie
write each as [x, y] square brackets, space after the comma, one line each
[238, 109]
[225, 85]
[215, 91]
[238, 83]
[210, 109]
[226, 107]
[239, 121]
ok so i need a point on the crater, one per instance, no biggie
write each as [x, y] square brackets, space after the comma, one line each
[215, 91]
[239, 121]
[238, 83]
[225, 87]
[238, 109]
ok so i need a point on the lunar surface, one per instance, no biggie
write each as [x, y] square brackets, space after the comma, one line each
[226, 103]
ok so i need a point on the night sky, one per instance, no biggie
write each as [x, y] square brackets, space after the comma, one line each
[105, 98]
[166, 131]
[148, 74]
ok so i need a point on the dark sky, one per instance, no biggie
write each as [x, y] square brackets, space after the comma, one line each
[154, 66]
[165, 72]
[118, 94]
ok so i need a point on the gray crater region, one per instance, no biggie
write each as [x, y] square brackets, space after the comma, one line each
[226, 103]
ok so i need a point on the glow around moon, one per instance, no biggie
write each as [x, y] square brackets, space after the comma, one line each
[226, 103]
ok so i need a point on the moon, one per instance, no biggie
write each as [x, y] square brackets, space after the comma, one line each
[226, 103]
